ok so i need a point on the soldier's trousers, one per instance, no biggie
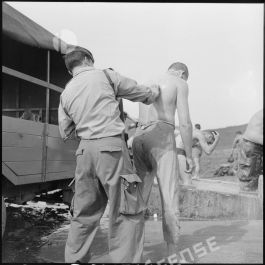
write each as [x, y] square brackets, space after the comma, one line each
[100, 164]
[155, 155]
[250, 164]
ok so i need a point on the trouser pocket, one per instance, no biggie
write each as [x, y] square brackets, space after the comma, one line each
[131, 197]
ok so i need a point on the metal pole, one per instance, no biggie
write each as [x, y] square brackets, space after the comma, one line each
[45, 127]
[47, 89]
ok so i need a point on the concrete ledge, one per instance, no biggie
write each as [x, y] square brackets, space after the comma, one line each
[213, 199]
[196, 203]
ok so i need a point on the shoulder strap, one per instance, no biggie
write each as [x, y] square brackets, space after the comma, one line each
[112, 85]
[110, 81]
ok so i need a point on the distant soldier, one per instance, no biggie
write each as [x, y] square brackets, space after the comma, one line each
[28, 115]
[202, 141]
[250, 155]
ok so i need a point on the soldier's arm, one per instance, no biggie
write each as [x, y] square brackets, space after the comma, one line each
[208, 149]
[236, 140]
[129, 89]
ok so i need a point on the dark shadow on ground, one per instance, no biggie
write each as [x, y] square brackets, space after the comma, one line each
[25, 230]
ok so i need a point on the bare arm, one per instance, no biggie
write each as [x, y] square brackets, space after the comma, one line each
[129, 89]
[185, 125]
[208, 149]
[236, 140]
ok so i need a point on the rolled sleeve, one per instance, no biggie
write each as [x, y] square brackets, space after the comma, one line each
[129, 89]
[66, 124]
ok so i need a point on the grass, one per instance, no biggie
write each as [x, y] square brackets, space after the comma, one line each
[209, 163]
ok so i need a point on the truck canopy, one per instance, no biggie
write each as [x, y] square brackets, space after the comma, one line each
[22, 29]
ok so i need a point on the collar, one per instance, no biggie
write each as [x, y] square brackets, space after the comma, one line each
[83, 69]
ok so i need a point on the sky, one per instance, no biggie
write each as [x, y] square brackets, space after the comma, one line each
[222, 45]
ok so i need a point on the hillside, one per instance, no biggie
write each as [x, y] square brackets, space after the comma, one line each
[227, 135]
[210, 163]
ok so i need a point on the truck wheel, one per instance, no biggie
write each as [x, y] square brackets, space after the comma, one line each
[3, 216]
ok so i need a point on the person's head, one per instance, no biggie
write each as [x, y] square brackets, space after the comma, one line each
[181, 69]
[78, 56]
[209, 137]
[28, 111]
[197, 126]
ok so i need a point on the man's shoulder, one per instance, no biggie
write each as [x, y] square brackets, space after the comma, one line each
[67, 90]
[197, 134]
[174, 81]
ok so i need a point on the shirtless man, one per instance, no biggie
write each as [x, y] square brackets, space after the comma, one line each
[250, 154]
[202, 141]
[154, 148]
[196, 152]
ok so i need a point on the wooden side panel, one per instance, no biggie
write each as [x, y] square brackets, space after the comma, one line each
[25, 168]
[9, 174]
[12, 139]
[22, 152]
[10, 124]
[61, 166]
[10, 154]
[22, 180]
[58, 150]
[59, 175]
[53, 131]
[61, 160]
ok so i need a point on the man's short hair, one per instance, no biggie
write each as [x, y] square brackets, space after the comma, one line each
[197, 126]
[180, 66]
[75, 56]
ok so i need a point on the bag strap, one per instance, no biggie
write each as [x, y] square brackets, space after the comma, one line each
[120, 101]
[110, 81]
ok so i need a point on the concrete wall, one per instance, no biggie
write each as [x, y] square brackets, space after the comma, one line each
[205, 204]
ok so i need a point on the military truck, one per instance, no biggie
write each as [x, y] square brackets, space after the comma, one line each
[34, 157]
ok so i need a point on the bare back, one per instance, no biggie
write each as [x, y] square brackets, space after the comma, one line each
[164, 107]
[254, 131]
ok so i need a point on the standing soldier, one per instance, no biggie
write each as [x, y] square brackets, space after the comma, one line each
[250, 154]
[89, 109]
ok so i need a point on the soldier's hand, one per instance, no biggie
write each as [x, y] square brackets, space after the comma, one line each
[189, 165]
[156, 90]
[215, 133]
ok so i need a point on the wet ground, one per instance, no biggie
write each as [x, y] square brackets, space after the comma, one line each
[27, 229]
[37, 233]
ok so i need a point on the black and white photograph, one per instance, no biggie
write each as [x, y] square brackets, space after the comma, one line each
[132, 132]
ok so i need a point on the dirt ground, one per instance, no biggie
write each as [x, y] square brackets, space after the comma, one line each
[209, 163]
[27, 228]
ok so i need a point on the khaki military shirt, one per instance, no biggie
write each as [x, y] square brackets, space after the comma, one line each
[89, 107]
